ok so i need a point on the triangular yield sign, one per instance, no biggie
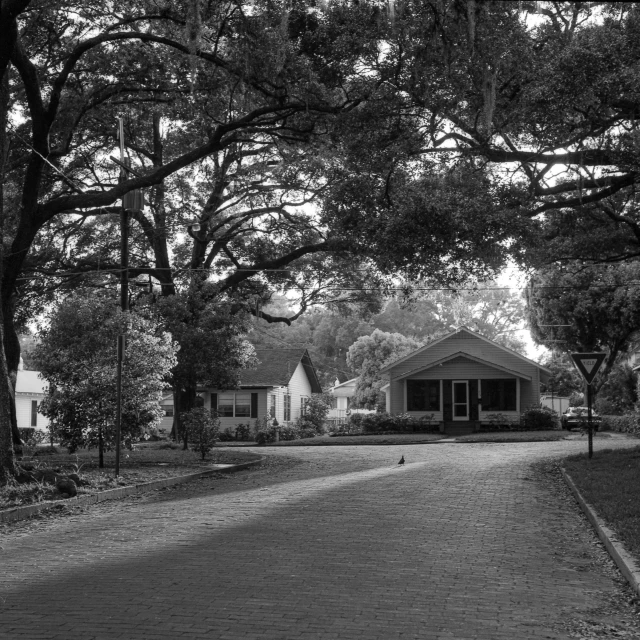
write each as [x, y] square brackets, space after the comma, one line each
[588, 364]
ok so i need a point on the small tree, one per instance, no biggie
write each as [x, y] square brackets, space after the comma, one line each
[77, 356]
[315, 413]
[368, 354]
[201, 429]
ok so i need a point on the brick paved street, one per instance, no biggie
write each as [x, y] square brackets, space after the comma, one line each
[465, 541]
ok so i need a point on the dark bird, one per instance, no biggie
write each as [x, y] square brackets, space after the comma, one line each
[401, 460]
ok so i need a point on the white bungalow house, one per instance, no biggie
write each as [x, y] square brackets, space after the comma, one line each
[461, 380]
[279, 387]
[31, 390]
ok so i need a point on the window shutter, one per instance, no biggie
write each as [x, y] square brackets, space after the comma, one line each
[214, 403]
[254, 405]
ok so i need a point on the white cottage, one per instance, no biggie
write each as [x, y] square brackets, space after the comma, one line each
[462, 380]
[31, 390]
[279, 387]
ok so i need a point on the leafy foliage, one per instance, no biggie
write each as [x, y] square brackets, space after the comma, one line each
[202, 429]
[599, 304]
[315, 414]
[539, 419]
[368, 355]
[619, 394]
[564, 379]
[388, 423]
[77, 356]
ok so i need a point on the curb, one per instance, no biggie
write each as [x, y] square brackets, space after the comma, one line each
[23, 513]
[623, 559]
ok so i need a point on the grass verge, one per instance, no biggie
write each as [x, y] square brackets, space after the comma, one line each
[398, 438]
[515, 436]
[145, 463]
[610, 483]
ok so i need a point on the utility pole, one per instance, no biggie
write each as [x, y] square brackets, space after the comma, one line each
[132, 201]
[124, 294]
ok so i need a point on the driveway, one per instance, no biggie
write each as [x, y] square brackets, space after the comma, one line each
[464, 541]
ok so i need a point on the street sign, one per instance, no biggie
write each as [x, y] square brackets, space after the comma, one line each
[588, 364]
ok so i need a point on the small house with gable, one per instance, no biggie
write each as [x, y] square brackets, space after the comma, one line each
[278, 387]
[31, 390]
[463, 380]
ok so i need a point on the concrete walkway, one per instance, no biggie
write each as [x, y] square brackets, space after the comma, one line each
[464, 541]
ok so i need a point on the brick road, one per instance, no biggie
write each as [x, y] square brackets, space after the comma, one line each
[465, 541]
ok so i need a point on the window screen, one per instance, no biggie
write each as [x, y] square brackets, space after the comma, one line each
[225, 405]
[423, 395]
[287, 408]
[499, 395]
[243, 405]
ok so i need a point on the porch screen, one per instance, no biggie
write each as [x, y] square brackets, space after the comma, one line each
[499, 395]
[423, 395]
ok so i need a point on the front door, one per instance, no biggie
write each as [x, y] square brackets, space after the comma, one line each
[460, 390]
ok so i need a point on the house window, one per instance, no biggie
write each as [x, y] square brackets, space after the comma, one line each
[168, 410]
[272, 407]
[238, 405]
[499, 395]
[34, 413]
[225, 405]
[287, 408]
[243, 405]
[303, 405]
[423, 395]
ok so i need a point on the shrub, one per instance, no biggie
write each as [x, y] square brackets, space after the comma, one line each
[201, 429]
[315, 414]
[627, 423]
[349, 428]
[539, 419]
[267, 434]
[500, 422]
[243, 431]
[226, 435]
[398, 423]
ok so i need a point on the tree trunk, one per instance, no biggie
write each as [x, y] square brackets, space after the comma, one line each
[183, 400]
[100, 449]
[8, 467]
[12, 352]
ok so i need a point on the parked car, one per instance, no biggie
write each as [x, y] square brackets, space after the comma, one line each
[578, 416]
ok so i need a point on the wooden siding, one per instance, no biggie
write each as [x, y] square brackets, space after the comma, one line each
[466, 343]
[23, 411]
[461, 368]
[298, 386]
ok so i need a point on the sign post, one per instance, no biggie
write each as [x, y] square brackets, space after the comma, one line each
[588, 364]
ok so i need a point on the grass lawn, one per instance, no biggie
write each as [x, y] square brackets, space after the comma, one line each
[522, 436]
[399, 438]
[146, 462]
[610, 483]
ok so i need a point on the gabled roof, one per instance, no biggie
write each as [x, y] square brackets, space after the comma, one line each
[468, 356]
[276, 366]
[347, 383]
[471, 333]
[30, 382]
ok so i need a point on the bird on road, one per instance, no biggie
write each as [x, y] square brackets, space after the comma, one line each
[401, 460]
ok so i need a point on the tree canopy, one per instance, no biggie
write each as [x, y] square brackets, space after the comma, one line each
[367, 355]
[325, 151]
[593, 308]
